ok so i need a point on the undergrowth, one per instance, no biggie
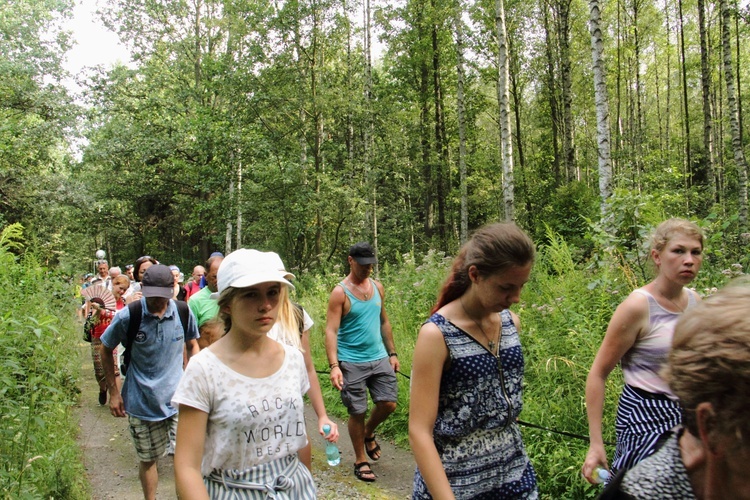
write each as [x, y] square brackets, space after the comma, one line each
[38, 380]
[564, 312]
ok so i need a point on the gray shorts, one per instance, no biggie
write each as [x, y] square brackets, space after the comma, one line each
[151, 438]
[377, 376]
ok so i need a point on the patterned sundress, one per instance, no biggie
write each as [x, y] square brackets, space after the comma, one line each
[475, 433]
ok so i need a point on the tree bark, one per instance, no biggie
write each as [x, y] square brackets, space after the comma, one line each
[506, 143]
[602, 106]
[707, 165]
[739, 155]
[686, 111]
[461, 109]
[552, 94]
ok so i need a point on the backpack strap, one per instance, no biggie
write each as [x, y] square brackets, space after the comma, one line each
[183, 311]
[136, 313]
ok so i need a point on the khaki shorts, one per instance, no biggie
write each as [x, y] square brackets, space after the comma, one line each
[377, 376]
[151, 437]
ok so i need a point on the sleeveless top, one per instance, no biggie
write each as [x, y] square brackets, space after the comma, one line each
[359, 339]
[475, 433]
[643, 361]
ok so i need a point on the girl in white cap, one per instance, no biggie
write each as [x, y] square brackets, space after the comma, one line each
[241, 402]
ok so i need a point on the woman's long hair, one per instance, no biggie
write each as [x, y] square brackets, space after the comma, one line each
[492, 248]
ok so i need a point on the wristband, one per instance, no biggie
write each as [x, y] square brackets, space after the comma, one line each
[333, 365]
[392, 354]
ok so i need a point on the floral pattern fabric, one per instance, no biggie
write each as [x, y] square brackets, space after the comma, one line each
[475, 431]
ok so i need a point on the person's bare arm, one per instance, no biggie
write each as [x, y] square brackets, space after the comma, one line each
[116, 404]
[430, 355]
[315, 393]
[333, 320]
[386, 331]
[191, 438]
[628, 321]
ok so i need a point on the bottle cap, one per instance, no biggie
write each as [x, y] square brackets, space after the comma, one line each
[326, 429]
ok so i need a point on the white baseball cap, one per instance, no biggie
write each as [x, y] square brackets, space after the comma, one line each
[275, 261]
[247, 267]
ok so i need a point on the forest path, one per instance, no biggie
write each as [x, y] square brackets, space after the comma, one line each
[112, 467]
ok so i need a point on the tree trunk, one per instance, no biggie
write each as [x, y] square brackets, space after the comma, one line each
[686, 112]
[563, 11]
[440, 138]
[705, 175]
[739, 155]
[369, 132]
[552, 93]
[602, 106]
[503, 99]
[461, 109]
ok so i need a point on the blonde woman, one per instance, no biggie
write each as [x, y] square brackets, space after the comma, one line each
[709, 371]
[241, 408]
[293, 328]
[638, 337]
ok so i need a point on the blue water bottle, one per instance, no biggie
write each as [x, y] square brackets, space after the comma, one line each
[332, 451]
[601, 475]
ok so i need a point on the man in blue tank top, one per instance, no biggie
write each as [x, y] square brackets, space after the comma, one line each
[362, 355]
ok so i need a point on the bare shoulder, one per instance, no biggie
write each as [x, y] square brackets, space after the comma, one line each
[337, 294]
[516, 320]
[380, 286]
[430, 340]
[634, 306]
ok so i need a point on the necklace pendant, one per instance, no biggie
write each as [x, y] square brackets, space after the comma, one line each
[492, 346]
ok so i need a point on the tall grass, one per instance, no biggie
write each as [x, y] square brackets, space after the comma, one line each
[38, 375]
[564, 312]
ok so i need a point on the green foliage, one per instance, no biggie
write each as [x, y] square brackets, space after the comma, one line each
[38, 379]
[564, 312]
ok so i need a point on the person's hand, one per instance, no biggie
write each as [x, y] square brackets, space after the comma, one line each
[395, 364]
[596, 457]
[116, 404]
[337, 378]
[333, 435]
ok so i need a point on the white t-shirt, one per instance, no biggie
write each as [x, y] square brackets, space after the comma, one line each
[307, 323]
[250, 420]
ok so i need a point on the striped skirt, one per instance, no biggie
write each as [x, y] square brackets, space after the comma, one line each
[642, 417]
[282, 479]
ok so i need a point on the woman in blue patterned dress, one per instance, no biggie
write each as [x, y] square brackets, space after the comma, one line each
[467, 376]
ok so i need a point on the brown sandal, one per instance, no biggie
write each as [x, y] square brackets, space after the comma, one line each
[367, 476]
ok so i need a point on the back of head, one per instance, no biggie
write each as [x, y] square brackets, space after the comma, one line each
[492, 249]
[710, 360]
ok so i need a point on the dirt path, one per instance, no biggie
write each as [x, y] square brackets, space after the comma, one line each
[112, 468]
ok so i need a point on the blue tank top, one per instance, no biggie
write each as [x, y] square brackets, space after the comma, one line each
[359, 339]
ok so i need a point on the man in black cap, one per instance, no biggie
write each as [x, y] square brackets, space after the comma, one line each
[362, 355]
[155, 369]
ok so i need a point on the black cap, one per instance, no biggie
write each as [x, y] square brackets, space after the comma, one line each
[363, 253]
[158, 282]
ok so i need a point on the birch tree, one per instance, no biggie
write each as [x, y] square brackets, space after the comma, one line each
[461, 110]
[739, 155]
[602, 105]
[503, 100]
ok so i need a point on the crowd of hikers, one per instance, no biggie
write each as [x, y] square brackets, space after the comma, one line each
[214, 369]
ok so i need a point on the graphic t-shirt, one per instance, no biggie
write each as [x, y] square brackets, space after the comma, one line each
[250, 420]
